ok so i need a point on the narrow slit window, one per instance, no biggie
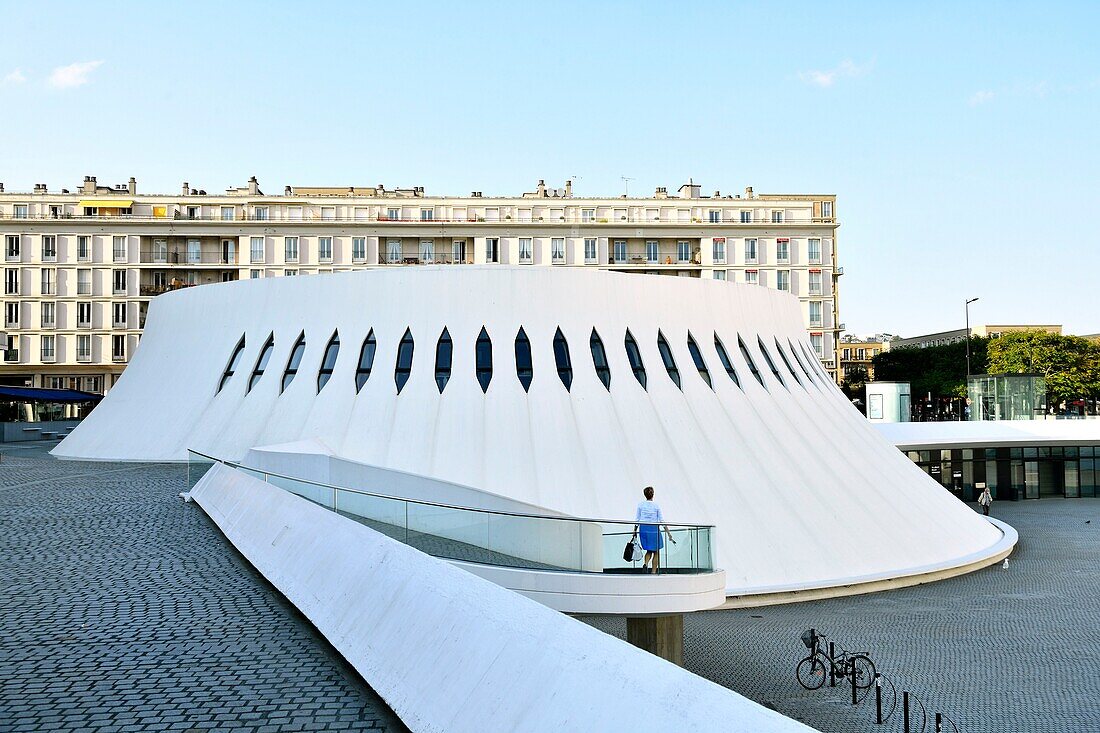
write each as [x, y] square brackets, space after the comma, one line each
[561, 360]
[599, 359]
[366, 361]
[724, 357]
[261, 362]
[666, 357]
[524, 369]
[483, 359]
[234, 359]
[443, 360]
[815, 362]
[329, 362]
[783, 356]
[403, 368]
[768, 359]
[700, 365]
[752, 364]
[634, 356]
[294, 360]
[802, 366]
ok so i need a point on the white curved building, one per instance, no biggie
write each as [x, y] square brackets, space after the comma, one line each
[565, 390]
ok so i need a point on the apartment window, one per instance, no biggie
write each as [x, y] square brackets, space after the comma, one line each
[861, 355]
[84, 314]
[328, 213]
[813, 250]
[714, 216]
[290, 248]
[49, 348]
[827, 209]
[324, 249]
[366, 361]
[49, 315]
[194, 251]
[846, 354]
[84, 282]
[119, 313]
[83, 248]
[160, 250]
[228, 213]
[783, 280]
[292, 272]
[358, 249]
[719, 274]
[294, 361]
[256, 249]
[427, 214]
[816, 319]
[49, 281]
[815, 282]
[524, 369]
[194, 212]
[588, 215]
[750, 251]
[393, 214]
[561, 359]
[294, 213]
[525, 251]
[620, 251]
[12, 246]
[11, 349]
[777, 217]
[83, 347]
[11, 315]
[118, 277]
[683, 251]
[752, 277]
[492, 249]
[483, 359]
[21, 211]
[783, 251]
[118, 347]
[746, 217]
[118, 248]
[328, 363]
[260, 213]
[557, 250]
[255, 274]
[652, 251]
[817, 341]
[719, 250]
[427, 251]
[589, 251]
[49, 248]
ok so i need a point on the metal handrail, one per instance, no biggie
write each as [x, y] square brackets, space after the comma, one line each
[234, 464]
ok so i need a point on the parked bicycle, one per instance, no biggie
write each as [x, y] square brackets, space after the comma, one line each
[818, 665]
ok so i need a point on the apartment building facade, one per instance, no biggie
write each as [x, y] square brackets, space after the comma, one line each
[80, 267]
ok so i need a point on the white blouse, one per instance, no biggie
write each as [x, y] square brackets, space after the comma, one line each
[648, 513]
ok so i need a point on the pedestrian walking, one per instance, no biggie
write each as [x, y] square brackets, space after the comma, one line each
[985, 500]
[649, 518]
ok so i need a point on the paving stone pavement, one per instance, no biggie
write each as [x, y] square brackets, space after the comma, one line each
[123, 609]
[1014, 649]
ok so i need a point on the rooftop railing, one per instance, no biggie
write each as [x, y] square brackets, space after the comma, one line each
[488, 537]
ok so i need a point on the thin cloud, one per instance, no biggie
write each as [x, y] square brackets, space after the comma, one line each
[980, 97]
[826, 78]
[73, 75]
[15, 77]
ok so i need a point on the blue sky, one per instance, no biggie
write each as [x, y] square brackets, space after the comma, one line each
[961, 142]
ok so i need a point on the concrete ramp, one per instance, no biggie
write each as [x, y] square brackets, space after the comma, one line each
[449, 651]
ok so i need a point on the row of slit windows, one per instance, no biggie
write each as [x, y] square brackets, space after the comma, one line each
[483, 361]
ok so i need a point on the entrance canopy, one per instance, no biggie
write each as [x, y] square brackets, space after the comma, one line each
[38, 394]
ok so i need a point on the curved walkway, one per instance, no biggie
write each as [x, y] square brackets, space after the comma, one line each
[124, 609]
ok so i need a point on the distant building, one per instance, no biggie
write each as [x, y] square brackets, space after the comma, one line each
[958, 335]
[856, 354]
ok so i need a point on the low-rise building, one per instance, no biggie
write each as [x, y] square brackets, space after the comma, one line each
[958, 335]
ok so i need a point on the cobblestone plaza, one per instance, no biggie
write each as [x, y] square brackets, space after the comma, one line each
[123, 609]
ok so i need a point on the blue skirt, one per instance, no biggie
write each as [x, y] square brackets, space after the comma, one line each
[650, 536]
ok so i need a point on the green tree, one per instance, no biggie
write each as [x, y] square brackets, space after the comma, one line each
[939, 370]
[854, 382]
[1069, 364]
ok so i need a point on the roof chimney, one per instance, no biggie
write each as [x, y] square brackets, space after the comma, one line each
[690, 190]
[748, 192]
[1, 188]
[540, 189]
[89, 185]
[253, 186]
[131, 186]
[288, 191]
[186, 188]
[569, 188]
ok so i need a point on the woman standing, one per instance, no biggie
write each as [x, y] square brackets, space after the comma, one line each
[985, 500]
[649, 521]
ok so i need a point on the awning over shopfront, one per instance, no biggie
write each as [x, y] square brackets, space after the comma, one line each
[39, 394]
[105, 203]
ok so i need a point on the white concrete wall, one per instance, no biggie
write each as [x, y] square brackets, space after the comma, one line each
[449, 651]
[801, 487]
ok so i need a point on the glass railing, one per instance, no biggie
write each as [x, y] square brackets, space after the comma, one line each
[507, 539]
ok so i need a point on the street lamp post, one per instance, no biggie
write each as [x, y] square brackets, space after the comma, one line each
[966, 307]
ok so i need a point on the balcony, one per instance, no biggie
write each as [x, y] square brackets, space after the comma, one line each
[185, 257]
[83, 357]
[415, 258]
[11, 355]
[151, 290]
